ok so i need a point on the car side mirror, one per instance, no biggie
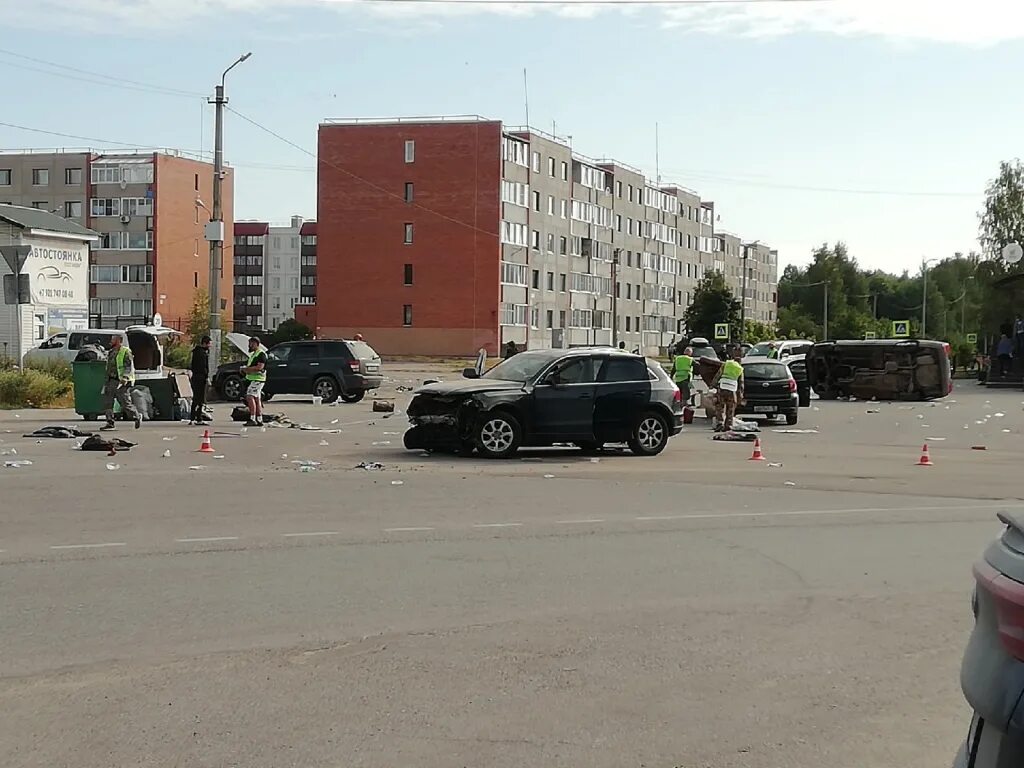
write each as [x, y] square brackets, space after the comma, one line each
[470, 373]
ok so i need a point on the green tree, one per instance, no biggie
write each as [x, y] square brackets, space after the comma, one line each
[199, 315]
[289, 330]
[757, 331]
[713, 302]
[1001, 221]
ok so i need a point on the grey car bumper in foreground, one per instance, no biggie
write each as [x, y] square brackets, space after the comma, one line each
[988, 747]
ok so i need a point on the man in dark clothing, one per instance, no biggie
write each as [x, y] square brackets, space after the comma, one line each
[511, 350]
[200, 367]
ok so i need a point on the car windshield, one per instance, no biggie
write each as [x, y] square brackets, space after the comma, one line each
[764, 349]
[765, 370]
[523, 367]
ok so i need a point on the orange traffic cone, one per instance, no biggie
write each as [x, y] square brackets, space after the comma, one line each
[926, 459]
[206, 447]
[757, 455]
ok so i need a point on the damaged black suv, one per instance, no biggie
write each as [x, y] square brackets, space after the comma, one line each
[587, 397]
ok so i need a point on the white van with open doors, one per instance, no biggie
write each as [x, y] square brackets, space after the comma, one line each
[145, 342]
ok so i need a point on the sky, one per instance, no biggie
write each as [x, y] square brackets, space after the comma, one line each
[873, 122]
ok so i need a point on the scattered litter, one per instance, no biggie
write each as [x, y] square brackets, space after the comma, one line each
[595, 460]
[169, 439]
[920, 415]
[926, 426]
[1000, 415]
[20, 463]
[403, 388]
[978, 448]
[934, 439]
[335, 421]
[795, 431]
[219, 456]
[398, 482]
[1006, 431]
[284, 455]
[307, 468]
[166, 454]
[392, 434]
[306, 463]
[789, 483]
[370, 466]
[979, 422]
[317, 400]
[734, 437]
[382, 442]
[967, 426]
[744, 426]
[549, 477]
[771, 464]
[196, 468]
[97, 443]
[427, 382]
[324, 442]
[872, 410]
[11, 452]
[383, 406]
[58, 432]
[113, 467]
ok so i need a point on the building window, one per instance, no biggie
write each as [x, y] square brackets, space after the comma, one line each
[629, 324]
[105, 206]
[561, 282]
[513, 274]
[618, 189]
[514, 314]
[535, 164]
[407, 314]
[551, 243]
[408, 191]
[407, 280]
[551, 205]
[564, 210]
[136, 206]
[72, 176]
[73, 209]
[535, 279]
[551, 167]
[513, 234]
[536, 201]
[629, 290]
[514, 151]
[563, 245]
[408, 233]
[40, 177]
[565, 171]
[5, 177]
[550, 284]
[410, 151]
[41, 205]
[535, 240]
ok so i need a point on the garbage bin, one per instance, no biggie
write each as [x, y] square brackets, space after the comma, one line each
[88, 378]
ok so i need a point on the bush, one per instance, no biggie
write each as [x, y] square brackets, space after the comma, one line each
[177, 355]
[31, 389]
[59, 369]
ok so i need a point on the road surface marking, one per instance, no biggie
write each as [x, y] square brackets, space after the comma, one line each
[89, 546]
[406, 530]
[578, 522]
[800, 512]
[310, 533]
[206, 539]
[497, 525]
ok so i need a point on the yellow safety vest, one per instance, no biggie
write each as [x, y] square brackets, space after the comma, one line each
[257, 375]
[122, 356]
[683, 368]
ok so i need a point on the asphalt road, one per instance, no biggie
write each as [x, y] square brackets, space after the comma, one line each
[695, 609]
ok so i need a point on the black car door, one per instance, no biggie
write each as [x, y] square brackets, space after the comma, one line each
[563, 401]
[623, 390]
[303, 368]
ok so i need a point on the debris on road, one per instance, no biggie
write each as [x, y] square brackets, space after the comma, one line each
[734, 437]
[370, 466]
[166, 454]
[324, 443]
[403, 388]
[113, 467]
[795, 431]
[382, 442]
[788, 482]
[934, 439]
[18, 463]
[169, 439]
[383, 406]
[197, 468]
[306, 463]
[872, 410]
[549, 477]
[978, 448]
[63, 433]
[398, 482]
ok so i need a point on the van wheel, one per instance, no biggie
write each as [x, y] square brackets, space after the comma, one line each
[649, 436]
[791, 418]
[326, 389]
[498, 435]
[354, 396]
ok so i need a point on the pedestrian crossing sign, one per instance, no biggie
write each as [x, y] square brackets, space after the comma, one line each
[901, 329]
[721, 331]
[972, 338]
[870, 335]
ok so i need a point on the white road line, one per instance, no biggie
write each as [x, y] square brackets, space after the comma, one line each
[805, 512]
[207, 539]
[497, 525]
[310, 533]
[406, 530]
[578, 522]
[89, 546]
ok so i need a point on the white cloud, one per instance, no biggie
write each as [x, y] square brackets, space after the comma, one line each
[978, 23]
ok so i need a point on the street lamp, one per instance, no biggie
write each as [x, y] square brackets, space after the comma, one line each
[924, 293]
[824, 330]
[215, 230]
[963, 295]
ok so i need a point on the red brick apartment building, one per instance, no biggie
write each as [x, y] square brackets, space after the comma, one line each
[152, 255]
[438, 236]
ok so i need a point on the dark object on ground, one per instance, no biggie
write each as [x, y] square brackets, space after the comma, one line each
[403, 388]
[97, 443]
[734, 437]
[887, 369]
[330, 370]
[65, 433]
[428, 382]
[241, 413]
[992, 674]
[588, 397]
[370, 466]
[383, 406]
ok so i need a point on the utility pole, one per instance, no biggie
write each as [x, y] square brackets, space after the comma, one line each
[215, 229]
[825, 316]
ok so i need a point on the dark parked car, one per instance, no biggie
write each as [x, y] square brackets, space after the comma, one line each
[992, 675]
[588, 397]
[769, 390]
[324, 368]
[792, 352]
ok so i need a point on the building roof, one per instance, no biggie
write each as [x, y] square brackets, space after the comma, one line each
[33, 218]
[308, 228]
[243, 228]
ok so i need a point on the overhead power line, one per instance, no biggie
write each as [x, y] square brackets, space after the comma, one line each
[705, 3]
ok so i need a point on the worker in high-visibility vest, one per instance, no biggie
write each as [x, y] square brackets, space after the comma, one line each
[729, 382]
[120, 379]
[255, 372]
[682, 373]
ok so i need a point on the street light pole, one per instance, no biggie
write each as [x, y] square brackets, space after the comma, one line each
[924, 295]
[215, 234]
[743, 299]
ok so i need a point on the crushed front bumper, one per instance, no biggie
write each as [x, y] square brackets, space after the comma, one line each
[440, 422]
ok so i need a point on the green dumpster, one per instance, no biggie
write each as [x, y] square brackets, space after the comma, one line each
[88, 378]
